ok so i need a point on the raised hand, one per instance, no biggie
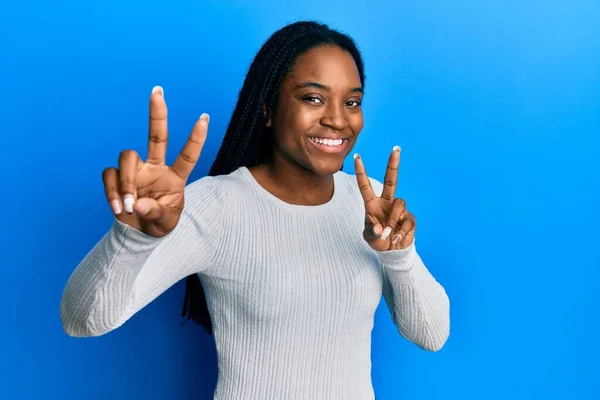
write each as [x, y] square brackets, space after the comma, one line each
[388, 224]
[149, 196]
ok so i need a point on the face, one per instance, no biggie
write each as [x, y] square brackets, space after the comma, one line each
[319, 116]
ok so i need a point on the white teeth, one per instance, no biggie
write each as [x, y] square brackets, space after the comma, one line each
[328, 142]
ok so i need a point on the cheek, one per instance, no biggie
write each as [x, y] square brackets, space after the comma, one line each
[294, 123]
[356, 123]
[287, 129]
[300, 120]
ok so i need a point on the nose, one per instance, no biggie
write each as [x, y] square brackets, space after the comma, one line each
[334, 117]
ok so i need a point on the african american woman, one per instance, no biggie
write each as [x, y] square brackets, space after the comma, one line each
[286, 257]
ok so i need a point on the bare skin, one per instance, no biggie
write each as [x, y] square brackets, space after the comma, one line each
[322, 98]
[156, 188]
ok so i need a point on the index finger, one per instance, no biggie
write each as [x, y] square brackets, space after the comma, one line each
[157, 129]
[391, 175]
[364, 184]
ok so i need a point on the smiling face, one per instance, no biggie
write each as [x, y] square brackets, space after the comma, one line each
[318, 115]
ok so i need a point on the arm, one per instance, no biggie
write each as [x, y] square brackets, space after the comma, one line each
[419, 305]
[127, 269]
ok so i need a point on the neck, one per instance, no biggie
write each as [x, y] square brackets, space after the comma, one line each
[293, 184]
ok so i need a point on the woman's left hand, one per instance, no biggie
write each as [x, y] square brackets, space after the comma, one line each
[388, 223]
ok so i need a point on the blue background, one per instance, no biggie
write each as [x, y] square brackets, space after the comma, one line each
[496, 105]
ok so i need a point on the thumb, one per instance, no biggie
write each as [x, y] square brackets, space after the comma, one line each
[373, 231]
[148, 209]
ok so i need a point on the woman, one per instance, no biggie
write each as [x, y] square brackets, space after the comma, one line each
[286, 256]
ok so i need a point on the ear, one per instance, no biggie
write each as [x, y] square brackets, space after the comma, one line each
[267, 115]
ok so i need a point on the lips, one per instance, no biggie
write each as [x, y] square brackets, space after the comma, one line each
[329, 145]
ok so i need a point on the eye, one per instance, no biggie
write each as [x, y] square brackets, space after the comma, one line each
[313, 100]
[353, 103]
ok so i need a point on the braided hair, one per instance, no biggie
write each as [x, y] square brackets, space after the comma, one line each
[248, 141]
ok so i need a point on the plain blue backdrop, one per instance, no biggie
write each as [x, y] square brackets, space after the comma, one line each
[496, 105]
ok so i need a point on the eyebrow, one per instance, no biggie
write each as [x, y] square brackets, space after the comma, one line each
[320, 86]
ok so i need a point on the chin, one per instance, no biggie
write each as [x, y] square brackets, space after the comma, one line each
[326, 167]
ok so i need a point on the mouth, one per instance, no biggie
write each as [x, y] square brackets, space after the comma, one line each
[329, 145]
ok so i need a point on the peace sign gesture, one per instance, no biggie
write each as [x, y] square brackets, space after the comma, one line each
[151, 192]
[388, 224]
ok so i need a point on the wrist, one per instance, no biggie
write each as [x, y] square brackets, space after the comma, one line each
[400, 259]
[134, 236]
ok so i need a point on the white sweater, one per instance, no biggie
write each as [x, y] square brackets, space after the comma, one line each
[292, 290]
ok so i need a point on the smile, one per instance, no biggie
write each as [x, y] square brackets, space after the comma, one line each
[329, 145]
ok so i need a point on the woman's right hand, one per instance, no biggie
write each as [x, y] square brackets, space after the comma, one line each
[149, 196]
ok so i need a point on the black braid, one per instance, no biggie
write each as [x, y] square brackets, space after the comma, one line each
[247, 141]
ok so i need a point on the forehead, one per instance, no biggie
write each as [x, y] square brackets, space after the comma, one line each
[327, 65]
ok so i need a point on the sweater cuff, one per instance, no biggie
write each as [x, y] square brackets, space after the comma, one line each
[399, 260]
[132, 238]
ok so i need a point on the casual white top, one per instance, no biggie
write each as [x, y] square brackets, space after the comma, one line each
[292, 290]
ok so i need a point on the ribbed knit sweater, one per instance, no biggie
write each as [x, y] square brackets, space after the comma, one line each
[292, 290]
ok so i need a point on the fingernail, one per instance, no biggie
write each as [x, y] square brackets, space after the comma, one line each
[116, 206]
[205, 116]
[158, 90]
[375, 230]
[386, 233]
[356, 156]
[396, 239]
[397, 148]
[128, 201]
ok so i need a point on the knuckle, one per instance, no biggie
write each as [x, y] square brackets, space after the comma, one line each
[188, 158]
[387, 196]
[197, 142]
[126, 155]
[127, 186]
[109, 177]
[400, 203]
[127, 183]
[158, 115]
[156, 138]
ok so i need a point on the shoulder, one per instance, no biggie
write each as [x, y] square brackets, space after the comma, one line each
[212, 191]
[206, 187]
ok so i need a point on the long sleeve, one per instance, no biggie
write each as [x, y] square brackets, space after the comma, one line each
[127, 269]
[419, 305]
